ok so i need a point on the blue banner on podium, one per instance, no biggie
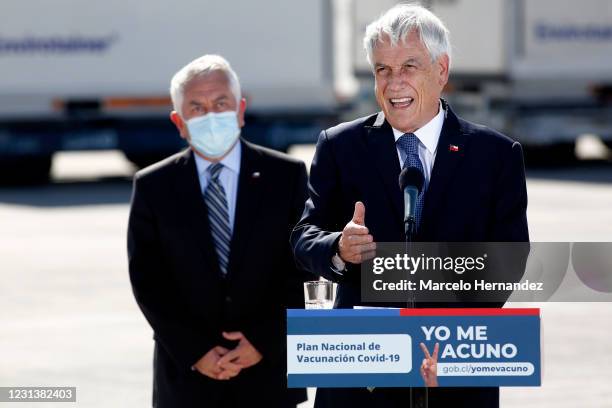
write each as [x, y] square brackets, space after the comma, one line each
[382, 347]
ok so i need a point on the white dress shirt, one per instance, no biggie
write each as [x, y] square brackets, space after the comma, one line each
[228, 178]
[428, 137]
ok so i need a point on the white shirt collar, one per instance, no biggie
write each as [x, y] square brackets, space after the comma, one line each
[231, 161]
[429, 134]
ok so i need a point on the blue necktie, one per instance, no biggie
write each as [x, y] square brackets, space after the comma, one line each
[408, 145]
[218, 217]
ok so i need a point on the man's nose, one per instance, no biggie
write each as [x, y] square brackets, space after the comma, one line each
[397, 82]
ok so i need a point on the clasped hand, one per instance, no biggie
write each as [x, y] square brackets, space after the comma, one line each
[220, 363]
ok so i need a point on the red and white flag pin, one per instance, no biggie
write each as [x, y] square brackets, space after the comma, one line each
[453, 148]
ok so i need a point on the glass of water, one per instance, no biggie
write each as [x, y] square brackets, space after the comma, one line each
[318, 294]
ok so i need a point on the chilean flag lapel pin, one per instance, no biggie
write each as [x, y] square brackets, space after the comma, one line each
[453, 148]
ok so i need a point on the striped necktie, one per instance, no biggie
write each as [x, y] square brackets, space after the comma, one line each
[408, 145]
[218, 217]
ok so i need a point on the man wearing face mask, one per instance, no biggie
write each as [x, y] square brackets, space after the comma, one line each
[209, 256]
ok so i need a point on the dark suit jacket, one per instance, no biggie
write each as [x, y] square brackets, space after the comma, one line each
[182, 293]
[476, 194]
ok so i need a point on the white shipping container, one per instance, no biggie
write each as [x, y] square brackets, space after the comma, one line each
[283, 51]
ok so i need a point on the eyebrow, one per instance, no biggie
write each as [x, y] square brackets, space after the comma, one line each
[218, 99]
[412, 60]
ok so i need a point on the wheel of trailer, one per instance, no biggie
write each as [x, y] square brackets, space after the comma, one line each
[25, 170]
[557, 154]
[142, 160]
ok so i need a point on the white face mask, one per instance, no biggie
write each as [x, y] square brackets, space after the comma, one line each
[214, 133]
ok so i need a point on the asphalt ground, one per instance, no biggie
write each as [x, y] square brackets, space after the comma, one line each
[68, 317]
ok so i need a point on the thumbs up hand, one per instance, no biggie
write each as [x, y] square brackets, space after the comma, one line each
[356, 244]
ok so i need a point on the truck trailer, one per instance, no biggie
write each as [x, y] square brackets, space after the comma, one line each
[538, 70]
[91, 75]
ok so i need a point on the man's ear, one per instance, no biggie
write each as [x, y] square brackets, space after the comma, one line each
[180, 124]
[443, 65]
[241, 109]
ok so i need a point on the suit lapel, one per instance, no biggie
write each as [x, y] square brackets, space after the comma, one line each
[248, 201]
[189, 194]
[450, 152]
[381, 144]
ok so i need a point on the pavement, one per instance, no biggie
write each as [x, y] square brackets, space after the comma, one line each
[69, 319]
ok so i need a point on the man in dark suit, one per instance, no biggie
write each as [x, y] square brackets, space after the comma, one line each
[209, 256]
[474, 188]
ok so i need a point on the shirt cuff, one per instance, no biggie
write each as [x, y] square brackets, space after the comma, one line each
[338, 264]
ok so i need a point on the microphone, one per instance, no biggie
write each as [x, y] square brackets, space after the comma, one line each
[410, 182]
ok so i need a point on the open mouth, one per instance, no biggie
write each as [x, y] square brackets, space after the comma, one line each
[401, 103]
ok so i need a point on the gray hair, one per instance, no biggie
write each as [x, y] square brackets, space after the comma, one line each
[398, 22]
[199, 67]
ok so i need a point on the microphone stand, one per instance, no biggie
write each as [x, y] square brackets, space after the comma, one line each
[416, 401]
[409, 230]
